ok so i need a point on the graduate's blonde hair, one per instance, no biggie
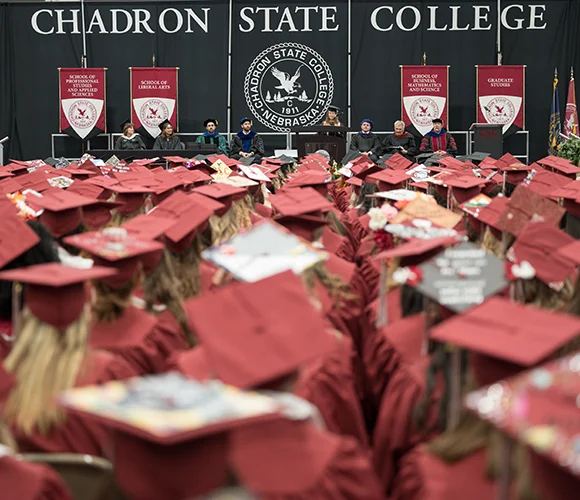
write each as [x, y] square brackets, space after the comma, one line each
[186, 269]
[110, 302]
[160, 286]
[45, 362]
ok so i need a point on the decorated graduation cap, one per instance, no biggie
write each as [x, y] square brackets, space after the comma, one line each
[421, 208]
[537, 252]
[460, 277]
[56, 294]
[538, 408]
[115, 248]
[299, 202]
[277, 330]
[265, 250]
[547, 183]
[165, 425]
[525, 205]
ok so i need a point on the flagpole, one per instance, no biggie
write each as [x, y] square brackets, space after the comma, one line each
[498, 41]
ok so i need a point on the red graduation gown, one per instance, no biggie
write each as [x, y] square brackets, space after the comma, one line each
[395, 432]
[134, 338]
[80, 435]
[339, 245]
[20, 480]
[329, 383]
[423, 476]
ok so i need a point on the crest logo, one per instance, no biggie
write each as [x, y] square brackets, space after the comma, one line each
[153, 112]
[82, 114]
[423, 111]
[500, 110]
[288, 85]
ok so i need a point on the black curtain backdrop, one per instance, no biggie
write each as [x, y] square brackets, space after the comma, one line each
[29, 60]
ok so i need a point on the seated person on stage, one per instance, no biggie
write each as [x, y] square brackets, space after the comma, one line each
[247, 143]
[130, 140]
[365, 142]
[401, 142]
[167, 139]
[438, 141]
[331, 118]
[212, 136]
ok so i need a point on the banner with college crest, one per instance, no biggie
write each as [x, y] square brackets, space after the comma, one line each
[500, 96]
[82, 96]
[154, 95]
[424, 97]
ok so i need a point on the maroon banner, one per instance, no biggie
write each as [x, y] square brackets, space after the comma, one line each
[424, 96]
[501, 96]
[154, 98]
[82, 96]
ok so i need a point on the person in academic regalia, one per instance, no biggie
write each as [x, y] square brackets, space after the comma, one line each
[118, 326]
[247, 143]
[167, 140]
[130, 140]
[31, 244]
[20, 479]
[331, 119]
[401, 142]
[212, 136]
[438, 141]
[364, 143]
[50, 355]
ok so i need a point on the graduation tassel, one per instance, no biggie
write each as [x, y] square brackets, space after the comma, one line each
[425, 346]
[382, 316]
[454, 404]
[16, 294]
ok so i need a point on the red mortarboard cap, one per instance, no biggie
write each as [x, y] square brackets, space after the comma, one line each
[282, 458]
[539, 244]
[5, 173]
[131, 196]
[98, 215]
[398, 162]
[465, 186]
[389, 179]
[461, 277]
[515, 171]
[563, 166]
[492, 212]
[362, 171]
[36, 181]
[114, 247]
[355, 181]
[299, 202]
[215, 206]
[56, 294]
[571, 195]
[419, 249]
[525, 205]
[538, 408]
[165, 427]
[518, 334]
[317, 180]
[9, 186]
[571, 251]
[304, 226]
[224, 193]
[101, 181]
[276, 331]
[16, 237]
[188, 217]
[150, 227]
[62, 211]
[86, 189]
[546, 183]
[193, 177]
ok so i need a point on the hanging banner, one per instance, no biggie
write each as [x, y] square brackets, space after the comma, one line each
[424, 97]
[500, 96]
[82, 102]
[154, 98]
